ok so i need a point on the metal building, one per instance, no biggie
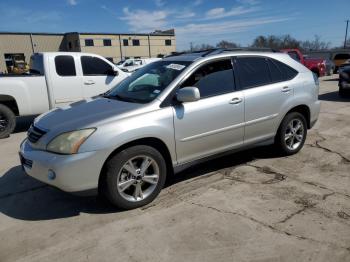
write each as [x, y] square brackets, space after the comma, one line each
[115, 47]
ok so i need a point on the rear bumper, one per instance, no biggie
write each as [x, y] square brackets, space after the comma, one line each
[78, 173]
[314, 112]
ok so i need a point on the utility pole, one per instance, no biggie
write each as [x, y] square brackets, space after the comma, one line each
[346, 33]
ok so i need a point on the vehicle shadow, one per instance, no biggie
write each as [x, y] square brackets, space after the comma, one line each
[333, 97]
[24, 198]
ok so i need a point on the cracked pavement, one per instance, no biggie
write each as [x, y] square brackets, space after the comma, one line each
[248, 206]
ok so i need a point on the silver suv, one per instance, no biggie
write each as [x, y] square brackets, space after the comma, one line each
[167, 115]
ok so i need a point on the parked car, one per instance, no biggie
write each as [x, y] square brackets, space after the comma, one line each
[344, 80]
[330, 67]
[342, 66]
[133, 64]
[316, 65]
[55, 79]
[168, 115]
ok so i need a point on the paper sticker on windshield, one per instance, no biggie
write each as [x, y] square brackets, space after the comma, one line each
[175, 67]
[156, 91]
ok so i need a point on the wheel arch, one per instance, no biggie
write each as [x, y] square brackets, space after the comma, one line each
[10, 102]
[154, 142]
[302, 109]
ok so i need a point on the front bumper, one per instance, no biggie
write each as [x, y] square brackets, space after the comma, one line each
[73, 173]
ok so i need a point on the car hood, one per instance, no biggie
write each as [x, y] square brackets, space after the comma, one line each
[84, 113]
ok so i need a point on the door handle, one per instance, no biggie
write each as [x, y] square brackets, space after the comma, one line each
[236, 100]
[286, 89]
[89, 82]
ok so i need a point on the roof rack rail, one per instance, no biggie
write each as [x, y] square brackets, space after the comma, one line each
[215, 51]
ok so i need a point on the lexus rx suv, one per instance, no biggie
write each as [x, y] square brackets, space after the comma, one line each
[168, 115]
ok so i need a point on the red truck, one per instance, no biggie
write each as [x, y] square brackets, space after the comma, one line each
[316, 65]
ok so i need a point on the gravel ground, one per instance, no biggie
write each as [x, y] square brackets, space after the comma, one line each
[248, 206]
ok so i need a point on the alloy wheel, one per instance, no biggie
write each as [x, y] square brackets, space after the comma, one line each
[294, 134]
[3, 122]
[138, 178]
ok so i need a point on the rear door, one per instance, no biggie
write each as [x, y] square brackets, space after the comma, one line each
[98, 76]
[65, 85]
[266, 89]
[215, 122]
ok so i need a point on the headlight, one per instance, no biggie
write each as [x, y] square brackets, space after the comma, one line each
[70, 142]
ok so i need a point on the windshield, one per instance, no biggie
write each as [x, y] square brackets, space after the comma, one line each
[147, 83]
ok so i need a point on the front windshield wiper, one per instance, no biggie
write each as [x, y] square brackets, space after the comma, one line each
[122, 98]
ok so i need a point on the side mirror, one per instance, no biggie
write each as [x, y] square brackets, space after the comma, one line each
[113, 72]
[188, 94]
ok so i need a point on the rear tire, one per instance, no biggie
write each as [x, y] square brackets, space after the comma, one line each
[127, 184]
[7, 121]
[291, 134]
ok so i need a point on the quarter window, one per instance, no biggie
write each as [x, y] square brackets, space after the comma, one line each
[294, 55]
[212, 79]
[89, 42]
[65, 65]
[253, 71]
[94, 66]
[280, 71]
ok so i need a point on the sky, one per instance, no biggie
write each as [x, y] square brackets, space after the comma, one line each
[196, 21]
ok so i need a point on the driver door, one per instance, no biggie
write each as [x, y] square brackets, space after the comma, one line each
[215, 123]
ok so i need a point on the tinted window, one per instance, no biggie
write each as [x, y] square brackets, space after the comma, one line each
[89, 42]
[136, 42]
[288, 72]
[36, 65]
[125, 42]
[212, 79]
[107, 42]
[253, 71]
[94, 66]
[277, 75]
[294, 55]
[168, 42]
[65, 65]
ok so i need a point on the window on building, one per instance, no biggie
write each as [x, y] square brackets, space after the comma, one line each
[95, 66]
[69, 45]
[76, 43]
[65, 65]
[89, 42]
[135, 42]
[167, 42]
[207, 77]
[253, 71]
[125, 42]
[107, 42]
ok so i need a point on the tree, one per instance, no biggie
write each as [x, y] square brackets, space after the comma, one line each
[275, 42]
[316, 44]
[226, 44]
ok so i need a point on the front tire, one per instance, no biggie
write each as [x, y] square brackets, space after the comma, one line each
[134, 177]
[291, 134]
[7, 121]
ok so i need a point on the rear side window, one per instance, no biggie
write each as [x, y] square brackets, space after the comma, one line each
[280, 71]
[94, 66]
[65, 65]
[294, 55]
[212, 79]
[253, 71]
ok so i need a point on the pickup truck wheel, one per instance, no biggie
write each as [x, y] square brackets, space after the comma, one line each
[7, 121]
[291, 134]
[134, 177]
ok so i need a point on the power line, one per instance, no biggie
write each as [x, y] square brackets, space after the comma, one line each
[346, 33]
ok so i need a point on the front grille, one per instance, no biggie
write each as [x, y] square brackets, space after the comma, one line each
[26, 162]
[35, 133]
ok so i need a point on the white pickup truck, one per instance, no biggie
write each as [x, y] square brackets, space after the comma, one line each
[55, 79]
[132, 64]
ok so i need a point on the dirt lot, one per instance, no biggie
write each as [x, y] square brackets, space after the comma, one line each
[249, 206]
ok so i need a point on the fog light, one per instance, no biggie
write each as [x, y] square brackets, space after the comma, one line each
[51, 175]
